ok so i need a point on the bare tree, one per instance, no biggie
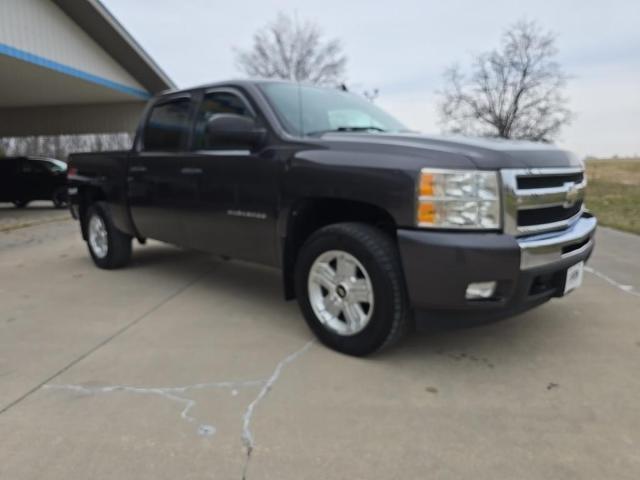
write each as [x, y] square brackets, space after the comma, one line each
[371, 95]
[292, 50]
[515, 91]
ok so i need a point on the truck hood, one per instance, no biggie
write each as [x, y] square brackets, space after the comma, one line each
[484, 153]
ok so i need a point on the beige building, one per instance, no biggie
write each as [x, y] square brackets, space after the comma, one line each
[68, 67]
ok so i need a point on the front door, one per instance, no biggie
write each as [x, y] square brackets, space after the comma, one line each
[234, 190]
[35, 180]
[157, 190]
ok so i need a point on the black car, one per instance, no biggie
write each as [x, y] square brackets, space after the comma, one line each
[25, 179]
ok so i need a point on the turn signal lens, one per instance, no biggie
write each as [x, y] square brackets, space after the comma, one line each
[426, 212]
[426, 184]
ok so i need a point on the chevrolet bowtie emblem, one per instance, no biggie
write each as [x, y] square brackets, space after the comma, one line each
[572, 196]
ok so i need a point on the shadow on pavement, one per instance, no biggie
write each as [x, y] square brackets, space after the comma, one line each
[261, 287]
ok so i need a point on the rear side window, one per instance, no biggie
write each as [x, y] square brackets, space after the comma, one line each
[167, 126]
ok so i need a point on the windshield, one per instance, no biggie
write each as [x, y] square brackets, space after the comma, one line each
[52, 165]
[58, 166]
[306, 110]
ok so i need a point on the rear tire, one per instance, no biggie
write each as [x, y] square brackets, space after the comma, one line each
[109, 247]
[351, 290]
[20, 203]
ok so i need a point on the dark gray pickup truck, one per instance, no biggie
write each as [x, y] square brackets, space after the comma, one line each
[375, 228]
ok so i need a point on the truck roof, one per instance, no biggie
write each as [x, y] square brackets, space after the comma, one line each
[236, 83]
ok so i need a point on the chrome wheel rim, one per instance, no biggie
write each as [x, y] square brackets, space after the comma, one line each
[340, 292]
[98, 237]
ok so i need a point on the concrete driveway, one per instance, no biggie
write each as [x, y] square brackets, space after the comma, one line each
[184, 366]
[37, 213]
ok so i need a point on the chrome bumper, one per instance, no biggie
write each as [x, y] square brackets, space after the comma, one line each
[548, 248]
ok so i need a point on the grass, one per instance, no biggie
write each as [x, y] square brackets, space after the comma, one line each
[613, 192]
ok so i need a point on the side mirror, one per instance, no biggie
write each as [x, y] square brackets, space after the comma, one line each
[228, 129]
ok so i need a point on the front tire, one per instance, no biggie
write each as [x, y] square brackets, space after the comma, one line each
[351, 290]
[109, 247]
[59, 198]
[20, 203]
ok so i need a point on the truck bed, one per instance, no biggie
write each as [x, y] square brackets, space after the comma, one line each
[103, 174]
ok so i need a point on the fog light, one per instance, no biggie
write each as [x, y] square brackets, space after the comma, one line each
[480, 290]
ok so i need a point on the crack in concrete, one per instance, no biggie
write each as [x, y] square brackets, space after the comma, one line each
[170, 393]
[625, 288]
[180, 395]
[247, 436]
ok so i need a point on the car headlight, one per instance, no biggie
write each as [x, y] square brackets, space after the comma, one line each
[467, 199]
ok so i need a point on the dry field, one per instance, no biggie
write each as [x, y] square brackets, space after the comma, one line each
[613, 194]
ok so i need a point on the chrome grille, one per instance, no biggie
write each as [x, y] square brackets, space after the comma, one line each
[542, 200]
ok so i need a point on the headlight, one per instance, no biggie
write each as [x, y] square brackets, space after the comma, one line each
[458, 199]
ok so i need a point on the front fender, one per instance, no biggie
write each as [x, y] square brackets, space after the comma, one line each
[367, 178]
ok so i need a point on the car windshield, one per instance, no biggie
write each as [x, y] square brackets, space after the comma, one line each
[58, 166]
[308, 111]
[52, 165]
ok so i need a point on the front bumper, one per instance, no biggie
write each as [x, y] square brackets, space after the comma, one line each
[439, 266]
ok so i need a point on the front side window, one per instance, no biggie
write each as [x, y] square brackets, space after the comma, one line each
[307, 110]
[216, 103]
[167, 126]
[34, 166]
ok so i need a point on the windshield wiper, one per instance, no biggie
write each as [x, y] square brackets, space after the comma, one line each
[348, 129]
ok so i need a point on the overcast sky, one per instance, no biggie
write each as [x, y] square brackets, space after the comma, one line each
[403, 46]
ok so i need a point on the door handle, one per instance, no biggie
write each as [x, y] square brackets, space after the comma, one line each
[191, 171]
[138, 169]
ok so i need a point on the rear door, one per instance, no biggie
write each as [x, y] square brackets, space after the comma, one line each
[157, 190]
[233, 187]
